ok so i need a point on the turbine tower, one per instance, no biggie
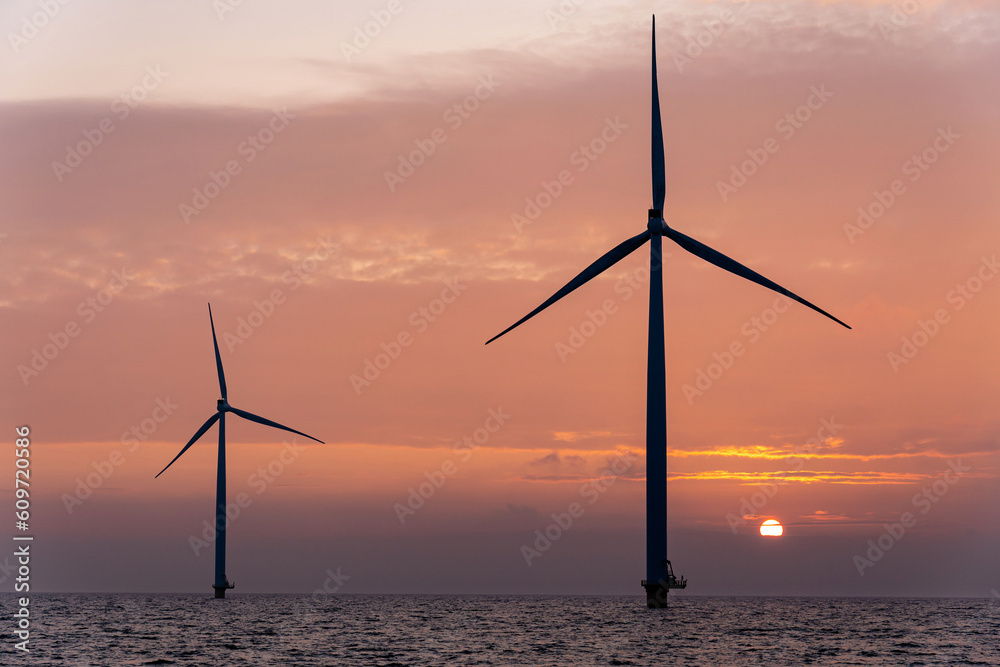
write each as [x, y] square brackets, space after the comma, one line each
[659, 572]
[222, 407]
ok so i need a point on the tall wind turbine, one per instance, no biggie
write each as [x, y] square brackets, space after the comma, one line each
[222, 407]
[659, 573]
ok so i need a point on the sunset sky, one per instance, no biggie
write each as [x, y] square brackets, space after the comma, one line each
[364, 212]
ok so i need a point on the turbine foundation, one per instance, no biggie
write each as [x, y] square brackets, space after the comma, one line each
[656, 592]
[220, 591]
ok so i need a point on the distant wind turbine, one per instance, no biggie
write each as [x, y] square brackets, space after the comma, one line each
[222, 407]
[659, 573]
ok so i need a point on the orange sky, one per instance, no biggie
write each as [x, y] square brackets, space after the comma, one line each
[342, 261]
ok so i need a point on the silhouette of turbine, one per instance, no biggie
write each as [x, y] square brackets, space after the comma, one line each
[222, 407]
[659, 572]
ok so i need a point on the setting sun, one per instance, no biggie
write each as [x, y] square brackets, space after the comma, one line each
[771, 528]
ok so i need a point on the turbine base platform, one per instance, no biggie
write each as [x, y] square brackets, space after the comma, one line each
[657, 591]
[220, 591]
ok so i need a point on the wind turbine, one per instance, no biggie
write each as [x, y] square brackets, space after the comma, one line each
[659, 572]
[222, 407]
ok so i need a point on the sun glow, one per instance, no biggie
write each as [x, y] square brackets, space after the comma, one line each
[771, 528]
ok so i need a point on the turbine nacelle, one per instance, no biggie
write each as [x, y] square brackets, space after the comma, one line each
[656, 223]
[222, 405]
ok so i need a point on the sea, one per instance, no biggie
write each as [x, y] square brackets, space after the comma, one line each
[393, 631]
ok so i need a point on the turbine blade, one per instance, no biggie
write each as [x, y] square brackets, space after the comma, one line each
[204, 427]
[715, 257]
[267, 422]
[618, 253]
[659, 176]
[218, 357]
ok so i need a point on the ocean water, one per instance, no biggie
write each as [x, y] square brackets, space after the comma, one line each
[122, 629]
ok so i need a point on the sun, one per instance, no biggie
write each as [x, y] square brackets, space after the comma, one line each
[771, 528]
